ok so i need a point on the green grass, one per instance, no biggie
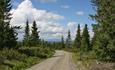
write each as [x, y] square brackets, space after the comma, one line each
[75, 57]
[82, 63]
[21, 59]
[88, 62]
[20, 65]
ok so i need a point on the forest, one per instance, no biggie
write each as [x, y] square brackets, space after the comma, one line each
[16, 55]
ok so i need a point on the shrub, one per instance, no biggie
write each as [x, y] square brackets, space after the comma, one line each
[11, 54]
[37, 51]
[12, 59]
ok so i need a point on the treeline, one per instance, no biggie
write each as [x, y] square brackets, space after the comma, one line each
[15, 55]
[104, 31]
[102, 45]
[63, 44]
[7, 32]
[33, 38]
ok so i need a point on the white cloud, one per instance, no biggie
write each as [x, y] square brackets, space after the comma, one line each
[65, 6]
[47, 1]
[80, 13]
[91, 33]
[72, 25]
[46, 21]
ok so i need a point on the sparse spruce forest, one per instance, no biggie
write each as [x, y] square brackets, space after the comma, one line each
[88, 53]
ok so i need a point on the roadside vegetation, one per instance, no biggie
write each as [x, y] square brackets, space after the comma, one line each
[97, 53]
[20, 59]
[15, 55]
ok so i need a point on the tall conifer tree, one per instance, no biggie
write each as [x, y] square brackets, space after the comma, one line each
[62, 42]
[85, 42]
[77, 41]
[34, 35]
[68, 40]
[7, 33]
[104, 44]
[26, 40]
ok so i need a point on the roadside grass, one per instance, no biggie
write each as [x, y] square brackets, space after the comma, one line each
[21, 59]
[90, 63]
[80, 64]
[83, 62]
[19, 65]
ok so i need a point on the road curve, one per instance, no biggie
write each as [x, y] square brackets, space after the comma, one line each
[62, 60]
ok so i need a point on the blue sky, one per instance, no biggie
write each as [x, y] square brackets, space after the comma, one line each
[73, 11]
[70, 13]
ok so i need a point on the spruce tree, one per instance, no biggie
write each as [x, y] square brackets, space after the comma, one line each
[12, 37]
[7, 33]
[77, 41]
[85, 42]
[94, 36]
[26, 40]
[62, 42]
[34, 35]
[68, 40]
[105, 32]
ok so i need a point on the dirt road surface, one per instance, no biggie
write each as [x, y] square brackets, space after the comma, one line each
[62, 60]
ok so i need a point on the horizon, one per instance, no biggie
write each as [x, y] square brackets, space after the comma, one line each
[55, 15]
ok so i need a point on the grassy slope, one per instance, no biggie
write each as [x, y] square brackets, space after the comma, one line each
[19, 65]
[14, 60]
[91, 64]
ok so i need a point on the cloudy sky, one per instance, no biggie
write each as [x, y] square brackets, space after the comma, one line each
[53, 17]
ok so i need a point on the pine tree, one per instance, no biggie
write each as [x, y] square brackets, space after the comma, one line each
[7, 33]
[85, 42]
[94, 36]
[26, 40]
[104, 44]
[68, 40]
[77, 41]
[62, 42]
[12, 37]
[34, 35]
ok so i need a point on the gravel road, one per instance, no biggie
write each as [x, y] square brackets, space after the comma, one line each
[62, 60]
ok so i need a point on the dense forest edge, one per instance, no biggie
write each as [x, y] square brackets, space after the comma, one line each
[95, 53]
[15, 55]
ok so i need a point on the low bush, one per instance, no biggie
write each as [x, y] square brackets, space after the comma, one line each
[38, 52]
[17, 59]
[11, 54]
